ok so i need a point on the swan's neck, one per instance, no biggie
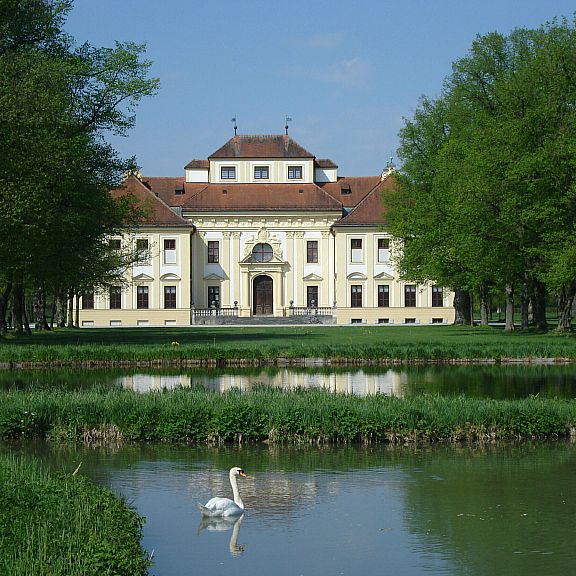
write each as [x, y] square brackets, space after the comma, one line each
[235, 491]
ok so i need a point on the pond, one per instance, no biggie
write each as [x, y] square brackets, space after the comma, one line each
[487, 381]
[407, 511]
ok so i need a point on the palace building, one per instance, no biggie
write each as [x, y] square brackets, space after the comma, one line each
[262, 231]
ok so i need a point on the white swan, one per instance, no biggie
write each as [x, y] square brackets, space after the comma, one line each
[225, 506]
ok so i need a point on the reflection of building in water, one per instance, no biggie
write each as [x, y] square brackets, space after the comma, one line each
[150, 382]
[267, 494]
[358, 382]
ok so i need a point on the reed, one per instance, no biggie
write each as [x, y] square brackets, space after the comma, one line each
[271, 415]
[56, 524]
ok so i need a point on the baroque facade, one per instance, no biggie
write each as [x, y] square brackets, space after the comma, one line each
[262, 229]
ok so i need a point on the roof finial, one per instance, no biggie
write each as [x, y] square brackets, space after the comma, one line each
[288, 119]
[235, 126]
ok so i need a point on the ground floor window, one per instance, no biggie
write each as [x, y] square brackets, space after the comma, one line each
[410, 295]
[142, 300]
[88, 300]
[383, 295]
[437, 296]
[356, 296]
[169, 296]
[311, 296]
[115, 297]
[214, 296]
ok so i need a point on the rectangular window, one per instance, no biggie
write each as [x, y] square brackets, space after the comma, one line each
[88, 300]
[383, 249]
[437, 296]
[356, 296]
[410, 295]
[312, 251]
[170, 251]
[213, 251]
[214, 296]
[383, 295]
[115, 297]
[294, 172]
[142, 297]
[142, 250]
[356, 250]
[169, 296]
[228, 173]
[311, 296]
[115, 244]
[261, 173]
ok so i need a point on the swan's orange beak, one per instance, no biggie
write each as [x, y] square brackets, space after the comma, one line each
[243, 474]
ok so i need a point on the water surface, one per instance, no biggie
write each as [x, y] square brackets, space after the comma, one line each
[405, 511]
[486, 381]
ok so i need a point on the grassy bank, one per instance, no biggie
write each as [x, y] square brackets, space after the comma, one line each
[61, 524]
[255, 345]
[271, 415]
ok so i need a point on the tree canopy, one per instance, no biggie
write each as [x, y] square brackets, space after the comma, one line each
[486, 194]
[57, 103]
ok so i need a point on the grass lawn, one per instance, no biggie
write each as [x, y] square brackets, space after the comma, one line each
[336, 342]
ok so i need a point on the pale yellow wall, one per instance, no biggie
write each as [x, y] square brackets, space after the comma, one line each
[289, 270]
[155, 274]
[278, 170]
[369, 272]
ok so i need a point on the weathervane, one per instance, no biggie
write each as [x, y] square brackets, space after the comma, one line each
[288, 119]
[235, 127]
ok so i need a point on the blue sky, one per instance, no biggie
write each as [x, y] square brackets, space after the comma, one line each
[347, 73]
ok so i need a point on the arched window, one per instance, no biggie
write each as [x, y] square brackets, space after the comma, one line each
[262, 253]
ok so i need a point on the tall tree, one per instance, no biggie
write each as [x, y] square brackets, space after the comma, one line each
[504, 167]
[57, 102]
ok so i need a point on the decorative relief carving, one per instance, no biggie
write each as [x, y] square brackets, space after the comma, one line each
[263, 236]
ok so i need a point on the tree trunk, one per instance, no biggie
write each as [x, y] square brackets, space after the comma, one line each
[509, 327]
[565, 301]
[17, 305]
[484, 306]
[59, 316]
[70, 322]
[539, 306]
[4, 296]
[77, 312]
[462, 307]
[39, 307]
[524, 308]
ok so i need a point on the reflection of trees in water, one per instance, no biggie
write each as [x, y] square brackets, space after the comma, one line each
[491, 381]
[496, 510]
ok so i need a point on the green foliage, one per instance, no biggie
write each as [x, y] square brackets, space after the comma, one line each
[345, 344]
[266, 414]
[56, 524]
[485, 197]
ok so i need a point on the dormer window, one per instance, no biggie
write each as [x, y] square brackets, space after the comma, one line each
[294, 172]
[261, 172]
[228, 172]
[346, 190]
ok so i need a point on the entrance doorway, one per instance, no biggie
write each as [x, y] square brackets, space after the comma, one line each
[262, 303]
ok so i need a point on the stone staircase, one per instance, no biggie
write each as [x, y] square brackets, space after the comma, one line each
[264, 320]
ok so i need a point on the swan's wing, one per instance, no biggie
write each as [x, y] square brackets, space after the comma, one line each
[220, 507]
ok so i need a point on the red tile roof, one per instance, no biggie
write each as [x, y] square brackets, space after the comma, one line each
[325, 163]
[173, 191]
[261, 197]
[351, 190]
[261, 146]
[370, 211]
[156, 212]
[204, 164]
